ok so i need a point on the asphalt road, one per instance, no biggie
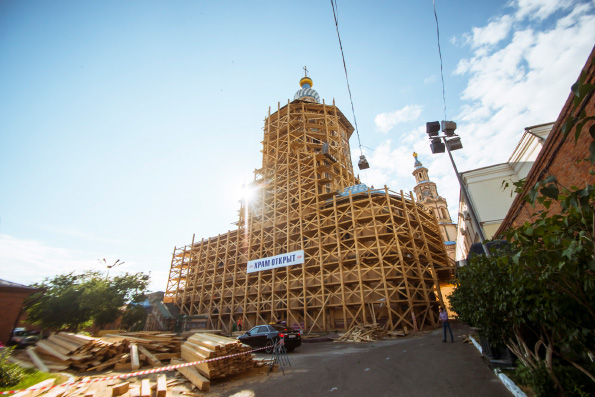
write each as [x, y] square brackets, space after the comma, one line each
[419, 365]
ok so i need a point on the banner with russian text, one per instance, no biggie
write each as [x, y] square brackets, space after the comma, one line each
[273, 262]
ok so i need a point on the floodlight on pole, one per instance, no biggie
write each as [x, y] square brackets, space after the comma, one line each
[449, 127]
[440, 144]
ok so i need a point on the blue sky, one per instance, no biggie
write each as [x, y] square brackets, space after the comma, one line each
[127, 127]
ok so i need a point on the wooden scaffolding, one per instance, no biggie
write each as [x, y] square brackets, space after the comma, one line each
[371, 255]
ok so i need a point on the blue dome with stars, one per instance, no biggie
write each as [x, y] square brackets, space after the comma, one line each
[307, 93]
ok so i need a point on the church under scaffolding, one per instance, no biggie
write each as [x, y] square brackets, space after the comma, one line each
[360, 255]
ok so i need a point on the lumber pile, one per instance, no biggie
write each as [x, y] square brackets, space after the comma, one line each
[158, 386]
[128, 351]
[202, 346]
[362, 333]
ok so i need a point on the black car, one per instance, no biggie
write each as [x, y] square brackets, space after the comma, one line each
[21, 337]
[268, 335]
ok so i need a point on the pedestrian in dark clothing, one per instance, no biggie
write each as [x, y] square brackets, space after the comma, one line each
[445, 324]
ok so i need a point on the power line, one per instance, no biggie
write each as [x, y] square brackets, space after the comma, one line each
[440, 54]
[346, 77]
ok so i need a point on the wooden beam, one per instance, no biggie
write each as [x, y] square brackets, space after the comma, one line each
[161, 386]
[134, 361]
[145, 388]
[53, 350]
[36, 360]
[202, 383]
[120, 389]
[62, 342]
[152, 359]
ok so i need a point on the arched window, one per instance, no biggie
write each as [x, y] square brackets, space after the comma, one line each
[444, 213]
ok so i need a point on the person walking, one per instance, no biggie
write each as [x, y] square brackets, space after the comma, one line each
[239, 324]
[445, 324]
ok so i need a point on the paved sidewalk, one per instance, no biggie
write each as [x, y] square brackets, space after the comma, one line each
[418, 365]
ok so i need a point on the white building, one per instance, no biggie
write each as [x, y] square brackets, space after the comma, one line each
[487, 194]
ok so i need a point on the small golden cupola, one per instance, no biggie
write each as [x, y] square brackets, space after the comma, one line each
[307, 93]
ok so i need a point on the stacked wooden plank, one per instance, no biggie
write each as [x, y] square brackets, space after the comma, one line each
[362, 333]
[128, 351]
[151, 349]
[202, 346]
[157, 386]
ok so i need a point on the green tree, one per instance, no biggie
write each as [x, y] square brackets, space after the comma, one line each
[72, 302]
[134, 317]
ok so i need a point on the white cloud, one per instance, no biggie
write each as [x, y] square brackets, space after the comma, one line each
[523, 83]
[30, 261]
[491, 34]
[386, 121]
[392, 164]
[539, 9]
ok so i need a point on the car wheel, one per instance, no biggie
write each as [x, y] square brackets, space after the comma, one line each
[269, 347]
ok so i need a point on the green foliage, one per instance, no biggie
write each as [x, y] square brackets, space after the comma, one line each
[573, 381]
[134, 318]
[538, 295]
[72, 302]
[32, 377]
[537, 378]
[10, 374]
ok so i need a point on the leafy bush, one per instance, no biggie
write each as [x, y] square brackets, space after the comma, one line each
[10, 374]
[538, 295]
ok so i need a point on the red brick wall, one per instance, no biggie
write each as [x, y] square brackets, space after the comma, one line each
[10, 307]
[559, 157]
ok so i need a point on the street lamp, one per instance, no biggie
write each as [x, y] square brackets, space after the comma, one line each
[116, 263]
[448, 142]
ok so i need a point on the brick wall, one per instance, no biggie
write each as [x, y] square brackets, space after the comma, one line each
[559, 157]
[10, 307]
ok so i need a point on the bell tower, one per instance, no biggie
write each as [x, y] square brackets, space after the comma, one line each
[426, 193]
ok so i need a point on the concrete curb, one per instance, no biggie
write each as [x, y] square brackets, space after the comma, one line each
[506, 381]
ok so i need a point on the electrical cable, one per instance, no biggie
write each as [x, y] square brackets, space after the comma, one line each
[346, 78]
[440, 54]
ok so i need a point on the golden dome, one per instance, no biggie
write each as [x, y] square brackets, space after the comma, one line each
[306, 80]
